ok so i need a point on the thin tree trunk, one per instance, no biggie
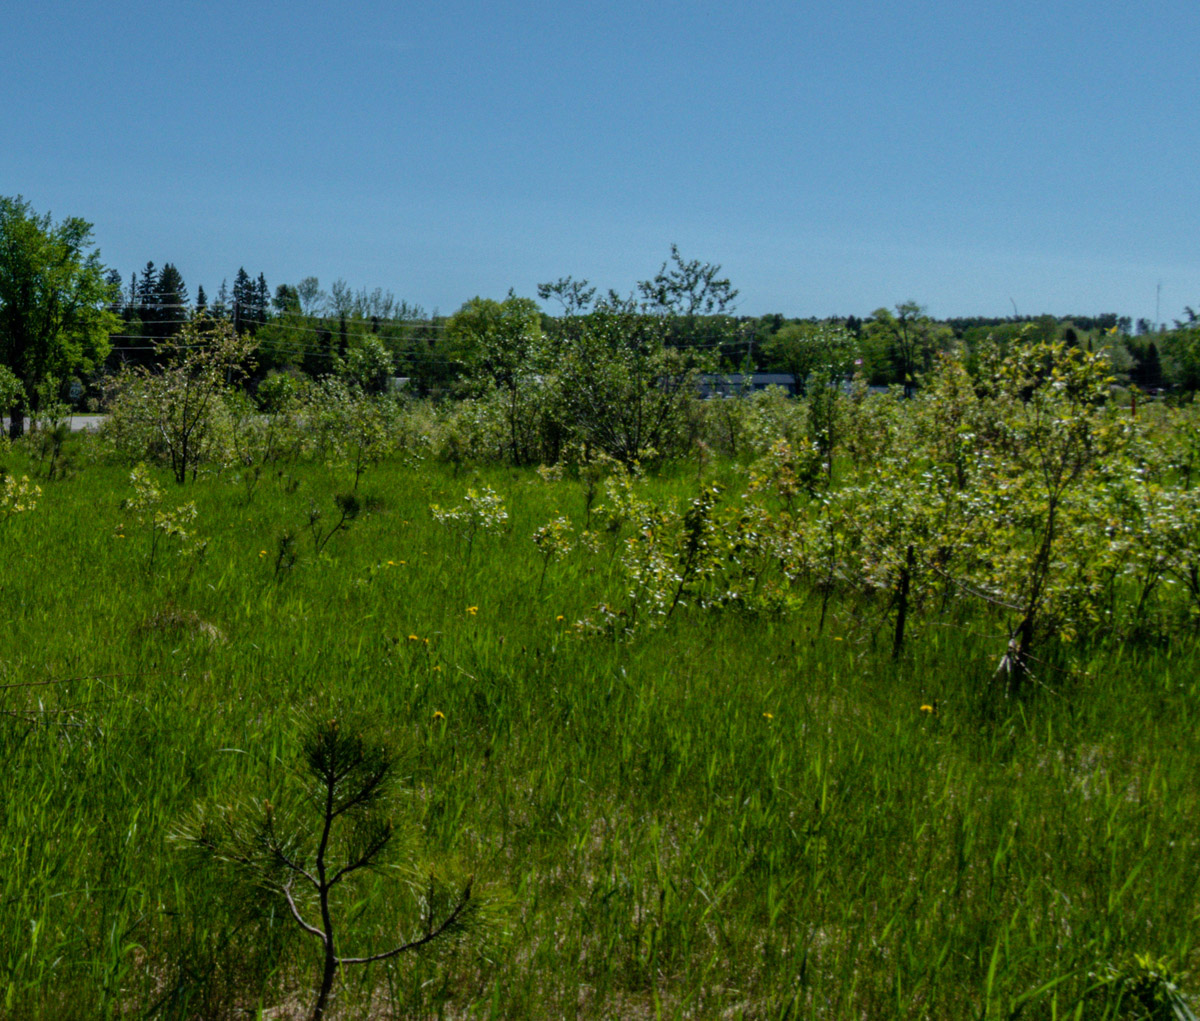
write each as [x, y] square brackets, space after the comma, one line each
[1015, 663]
[327, 976]
[902, 599]
[329, 968]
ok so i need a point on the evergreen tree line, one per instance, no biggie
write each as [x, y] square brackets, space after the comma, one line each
[156, 303]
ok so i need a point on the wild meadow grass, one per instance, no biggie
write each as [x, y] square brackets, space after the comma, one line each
[734, 816]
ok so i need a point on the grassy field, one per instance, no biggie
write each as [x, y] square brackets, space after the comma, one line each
[732, 816]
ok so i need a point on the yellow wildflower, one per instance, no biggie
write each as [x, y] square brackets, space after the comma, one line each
[438, 714]
[768, 716]
[928, 709]
[472, 610]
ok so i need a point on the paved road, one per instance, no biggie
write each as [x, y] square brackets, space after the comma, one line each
[79, 423]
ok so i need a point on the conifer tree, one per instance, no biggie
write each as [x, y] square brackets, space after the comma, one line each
[243, 299]
[220, 307]
[113, 279]
[172, 302]
[262, 300]
[146, 303]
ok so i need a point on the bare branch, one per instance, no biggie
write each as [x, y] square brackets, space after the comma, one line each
[287, 892]
[429, 937]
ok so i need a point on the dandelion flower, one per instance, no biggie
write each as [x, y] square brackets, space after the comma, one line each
[560, 618]
[768, 716]
[927, 708]
[414, 638]
[472, 610]
[438, 714]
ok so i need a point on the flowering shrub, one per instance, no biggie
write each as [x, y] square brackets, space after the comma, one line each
[17, 496]
[553, 540]
[176, 413]
[172, 526]
[479, 512]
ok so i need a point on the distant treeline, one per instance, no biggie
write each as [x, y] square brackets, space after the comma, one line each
[305, 329]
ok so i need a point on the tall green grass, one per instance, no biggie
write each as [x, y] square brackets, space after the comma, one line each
[733, 817]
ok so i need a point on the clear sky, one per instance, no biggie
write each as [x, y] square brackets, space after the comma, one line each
[833, 157]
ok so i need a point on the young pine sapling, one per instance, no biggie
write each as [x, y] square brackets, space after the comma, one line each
[345, 780]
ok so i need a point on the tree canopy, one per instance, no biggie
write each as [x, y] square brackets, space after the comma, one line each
[688, 287]
[54, 298]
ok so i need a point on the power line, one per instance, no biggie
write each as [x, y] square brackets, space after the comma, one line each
[408, 359]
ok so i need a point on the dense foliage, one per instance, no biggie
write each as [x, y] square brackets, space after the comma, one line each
[53, 322]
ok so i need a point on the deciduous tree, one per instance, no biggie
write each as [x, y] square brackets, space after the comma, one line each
[911, 338]
[54, 300]
[503, 343]
[688, 287]
[804, 349]
[173, 409]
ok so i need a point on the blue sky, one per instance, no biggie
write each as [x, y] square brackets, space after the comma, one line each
[832, 157]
